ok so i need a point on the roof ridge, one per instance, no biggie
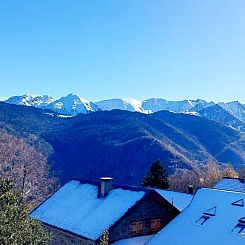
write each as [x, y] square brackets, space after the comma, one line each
[114, 185]
[222, 190]
[181, 192]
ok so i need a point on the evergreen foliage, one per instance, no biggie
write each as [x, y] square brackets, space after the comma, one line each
[157, 177]
[16, 228]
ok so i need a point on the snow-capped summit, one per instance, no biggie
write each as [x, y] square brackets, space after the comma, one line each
[158, 104]
[200, 105]
[235, 108]
[72, 105]
[127, 104]
[40, 101]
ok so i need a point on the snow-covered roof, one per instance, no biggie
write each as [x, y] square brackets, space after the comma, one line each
[186, 229]
[76, 208]
[178, 199]
[140, 240]
[232, 184]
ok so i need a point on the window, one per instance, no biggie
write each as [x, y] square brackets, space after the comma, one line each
[211, 211]
[155, 225]
[203, 219]
[239, 203]
[207, 215]
[240, 227]
[137, 228]
[242, 220]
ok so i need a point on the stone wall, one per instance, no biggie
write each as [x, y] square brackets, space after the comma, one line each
[62, 238]
[150, 208]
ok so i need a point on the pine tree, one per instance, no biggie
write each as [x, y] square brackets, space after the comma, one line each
[157, 177]
[16, 228]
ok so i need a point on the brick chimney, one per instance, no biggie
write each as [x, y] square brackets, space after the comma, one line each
[105, 186]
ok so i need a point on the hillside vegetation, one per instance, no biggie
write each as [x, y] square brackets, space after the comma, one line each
[123, 144]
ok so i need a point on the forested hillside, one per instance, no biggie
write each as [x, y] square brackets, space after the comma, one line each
[123, 144]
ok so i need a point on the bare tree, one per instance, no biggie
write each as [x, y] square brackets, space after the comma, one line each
[206, 175]
[27, 167]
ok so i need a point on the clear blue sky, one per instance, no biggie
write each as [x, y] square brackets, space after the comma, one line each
[98, 49]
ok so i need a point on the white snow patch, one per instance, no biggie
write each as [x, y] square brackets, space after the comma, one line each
[49, 114]
[63, 116]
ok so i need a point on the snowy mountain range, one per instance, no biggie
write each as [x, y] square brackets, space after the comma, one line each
[231, 113]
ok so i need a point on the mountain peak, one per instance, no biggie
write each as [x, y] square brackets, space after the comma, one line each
[39, 101]
[72, 105]
[128, 104]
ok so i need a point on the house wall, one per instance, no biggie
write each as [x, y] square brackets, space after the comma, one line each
[150, 208]
[62, 238]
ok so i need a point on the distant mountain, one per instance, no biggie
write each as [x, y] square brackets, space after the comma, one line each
[123, 144]
[126, 104]
[158, 104]
[235, 108]
[39, 101]
[218, 114]
[72, 105]
[199, 105]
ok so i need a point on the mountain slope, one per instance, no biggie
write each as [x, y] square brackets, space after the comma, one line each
[123, 144]
[218, 114]
[234, 108]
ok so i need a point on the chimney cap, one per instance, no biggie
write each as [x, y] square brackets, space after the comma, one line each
[106, 178]
[190, 189]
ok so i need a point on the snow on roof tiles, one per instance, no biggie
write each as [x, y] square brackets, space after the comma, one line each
[179, 200]
[76, 208]
[184, 230]
[231, 184]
